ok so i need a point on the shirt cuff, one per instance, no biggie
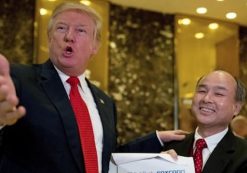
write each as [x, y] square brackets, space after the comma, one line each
[1, 127]
[161, 142]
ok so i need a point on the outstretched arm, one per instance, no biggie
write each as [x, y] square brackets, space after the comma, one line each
[172, 135]
[152, 143]
[10, 112]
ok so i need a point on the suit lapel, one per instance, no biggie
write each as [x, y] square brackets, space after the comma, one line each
[52, 85]
[107, 119]
[217, 161]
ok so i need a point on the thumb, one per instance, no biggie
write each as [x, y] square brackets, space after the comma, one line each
[5, 73]
[4, 66]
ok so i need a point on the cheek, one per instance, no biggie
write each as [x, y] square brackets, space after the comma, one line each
[51, 45]
[224, 103]
[194, 106]
[51, 42]
[86, 43]
[195, 99]
[54, 43]
[85, 50]
[227, 107]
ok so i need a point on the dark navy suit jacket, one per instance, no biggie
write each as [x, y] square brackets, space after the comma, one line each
[229, 156]
[46, 140]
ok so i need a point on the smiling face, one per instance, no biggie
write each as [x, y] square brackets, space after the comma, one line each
[72, 42]
[214, 103]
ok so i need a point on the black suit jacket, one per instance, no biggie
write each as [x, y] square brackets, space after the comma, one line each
[46, 140]
[229, 156]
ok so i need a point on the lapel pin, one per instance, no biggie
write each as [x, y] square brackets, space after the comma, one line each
[102, 101]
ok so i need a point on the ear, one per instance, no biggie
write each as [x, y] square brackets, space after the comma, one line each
[237, 108]
[96, 47]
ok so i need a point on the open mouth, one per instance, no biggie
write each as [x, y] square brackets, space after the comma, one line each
[206, 109]
[68, 51]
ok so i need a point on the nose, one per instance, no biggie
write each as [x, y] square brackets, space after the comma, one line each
[69, 36]
[207, 97]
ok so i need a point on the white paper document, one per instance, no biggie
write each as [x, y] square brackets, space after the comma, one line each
[150, 163]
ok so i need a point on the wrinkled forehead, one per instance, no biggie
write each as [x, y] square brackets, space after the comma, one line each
[218, 79]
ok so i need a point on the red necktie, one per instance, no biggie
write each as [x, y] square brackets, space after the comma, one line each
[85, 127]
[200, 144]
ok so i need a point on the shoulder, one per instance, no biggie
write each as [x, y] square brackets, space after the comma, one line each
[240, 154]
[20, 68]
[241, 143]
[233, 141]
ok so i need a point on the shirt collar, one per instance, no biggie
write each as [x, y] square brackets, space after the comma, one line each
[212, 140]
[64, 78]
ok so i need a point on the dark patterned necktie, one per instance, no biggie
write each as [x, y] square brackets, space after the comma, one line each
[200, 145]
[85, 127]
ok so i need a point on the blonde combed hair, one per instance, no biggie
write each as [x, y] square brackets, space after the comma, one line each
[67, 6]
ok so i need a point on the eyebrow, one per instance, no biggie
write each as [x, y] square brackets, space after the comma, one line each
[215, 87]
[64, 23]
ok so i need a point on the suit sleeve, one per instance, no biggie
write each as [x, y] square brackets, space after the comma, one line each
[146, 144]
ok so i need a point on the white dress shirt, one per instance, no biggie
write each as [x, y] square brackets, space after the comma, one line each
[211, 141]
[87, 96]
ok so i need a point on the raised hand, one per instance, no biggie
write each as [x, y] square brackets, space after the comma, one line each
[171, 135]
[10, 112]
